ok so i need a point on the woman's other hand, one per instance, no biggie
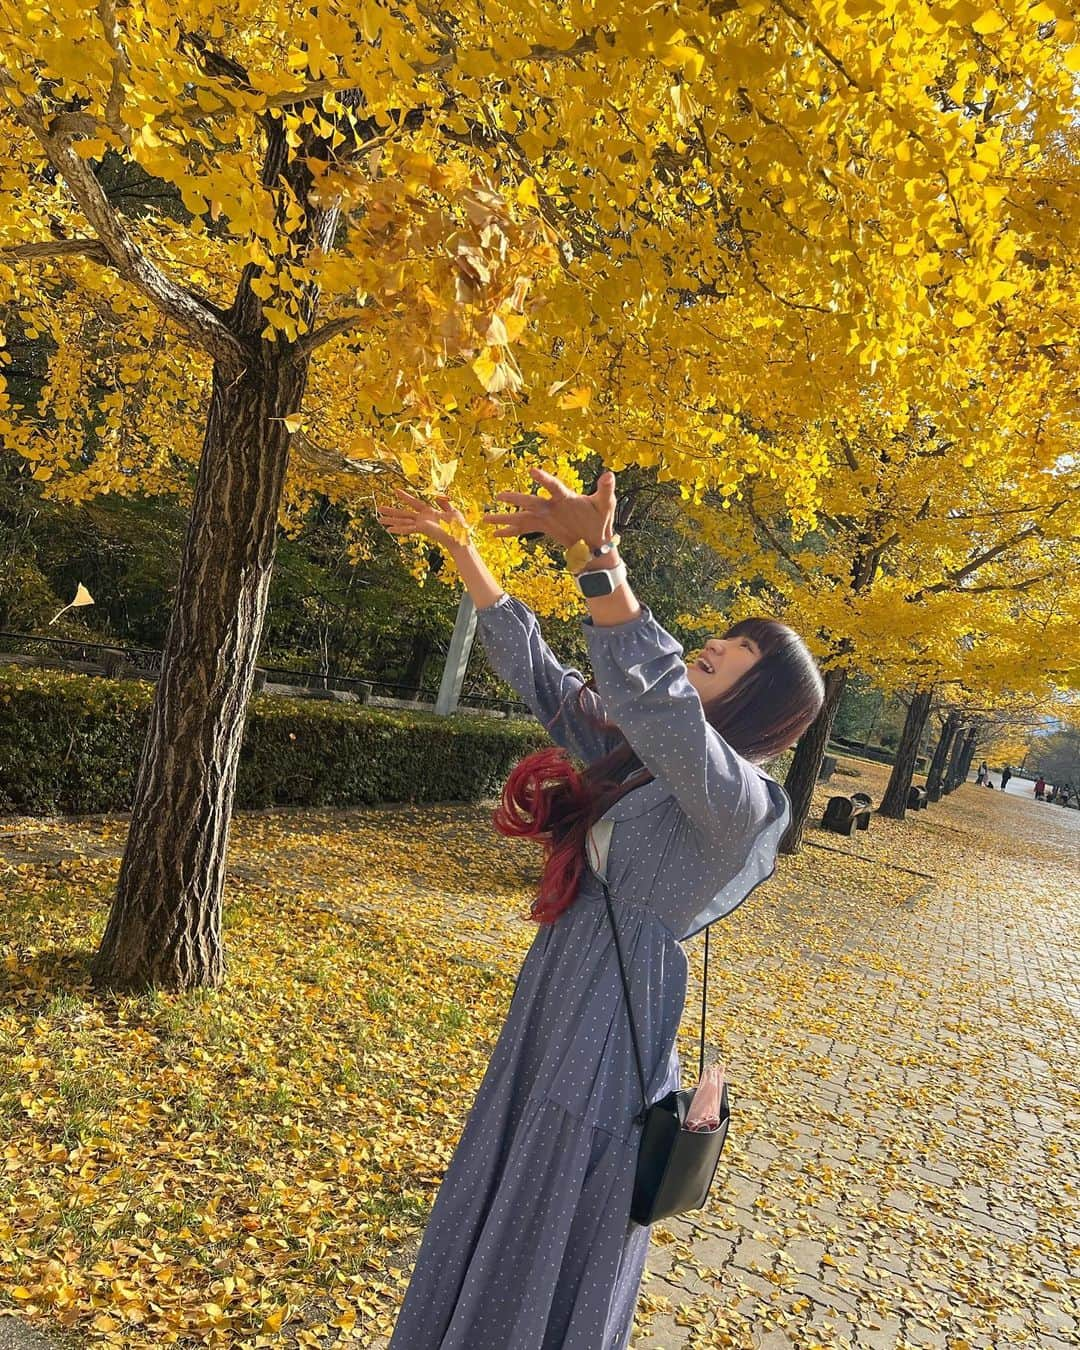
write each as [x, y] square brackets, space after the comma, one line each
[565, 516]
[443, 524]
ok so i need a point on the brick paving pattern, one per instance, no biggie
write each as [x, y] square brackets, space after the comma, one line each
[914, 1181]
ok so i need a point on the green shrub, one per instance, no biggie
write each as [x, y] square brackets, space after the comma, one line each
[71, 743]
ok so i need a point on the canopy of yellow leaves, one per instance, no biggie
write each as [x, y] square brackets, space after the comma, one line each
[702, 238]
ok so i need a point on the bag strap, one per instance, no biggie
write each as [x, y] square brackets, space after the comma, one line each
[630, 1008]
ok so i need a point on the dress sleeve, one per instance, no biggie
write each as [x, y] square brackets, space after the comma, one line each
[641, 678]
[518, 654]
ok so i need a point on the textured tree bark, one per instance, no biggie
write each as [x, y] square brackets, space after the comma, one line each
[952, 779]
[935, 779]
[970, 741]
[164, 930]
[806, 764]
[894, 802]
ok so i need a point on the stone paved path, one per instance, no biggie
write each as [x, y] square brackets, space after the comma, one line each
[903, 1171]
[918, 1187]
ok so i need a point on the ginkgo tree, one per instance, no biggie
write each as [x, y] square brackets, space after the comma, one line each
[930, 566]
[295, 251]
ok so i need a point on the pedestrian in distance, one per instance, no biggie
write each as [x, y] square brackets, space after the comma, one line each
[530, 1244]
[1040, 788]
[1006, 774]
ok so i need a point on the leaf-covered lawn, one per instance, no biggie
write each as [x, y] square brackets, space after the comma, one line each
[253, 1166]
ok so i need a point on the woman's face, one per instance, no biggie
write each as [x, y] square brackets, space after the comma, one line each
[720, 664]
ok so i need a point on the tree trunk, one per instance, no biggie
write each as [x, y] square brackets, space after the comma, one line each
[951, 775]
[894, 802]
[806, 764]
[165, 926]
[164, 930]
[936, 777]
[423, 645]
[970, 742]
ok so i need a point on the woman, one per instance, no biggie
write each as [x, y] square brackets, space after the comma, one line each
[530, 1245]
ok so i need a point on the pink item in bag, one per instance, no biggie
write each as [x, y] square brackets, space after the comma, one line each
[704, 1113]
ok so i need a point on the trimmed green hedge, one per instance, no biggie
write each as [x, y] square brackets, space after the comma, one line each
[71, 743]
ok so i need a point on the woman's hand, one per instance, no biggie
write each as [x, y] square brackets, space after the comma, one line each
[443, 524]
[566, 516]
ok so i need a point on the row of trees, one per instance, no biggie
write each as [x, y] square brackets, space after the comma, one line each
[811, 264]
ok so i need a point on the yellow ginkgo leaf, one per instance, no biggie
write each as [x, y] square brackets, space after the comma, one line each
[990, 22]
[576, 398]
[442, 475]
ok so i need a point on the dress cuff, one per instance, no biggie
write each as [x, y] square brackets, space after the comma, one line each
[595, 630]
[502, 602]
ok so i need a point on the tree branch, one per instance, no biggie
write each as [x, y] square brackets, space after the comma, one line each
[1007, 585]
[60, 248]
[331, 329]
[763, 527]
[952, 578]
[193, 314]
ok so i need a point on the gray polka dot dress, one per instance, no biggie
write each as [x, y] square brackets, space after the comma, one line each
[530, 1245]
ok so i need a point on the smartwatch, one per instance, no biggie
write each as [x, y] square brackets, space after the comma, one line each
[602, 581]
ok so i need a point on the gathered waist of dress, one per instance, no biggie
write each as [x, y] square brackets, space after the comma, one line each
[591, 893]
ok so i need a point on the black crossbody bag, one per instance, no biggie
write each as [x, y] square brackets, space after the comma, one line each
[675, 1166]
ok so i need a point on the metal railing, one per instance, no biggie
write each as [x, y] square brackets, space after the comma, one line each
[74, 649]
[110, 658]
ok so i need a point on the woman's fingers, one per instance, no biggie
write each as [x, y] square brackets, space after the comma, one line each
[519, 498]
[415, 501]
[555, 486]
[498, 517]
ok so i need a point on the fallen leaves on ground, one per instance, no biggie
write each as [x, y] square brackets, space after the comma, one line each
[253, 1166]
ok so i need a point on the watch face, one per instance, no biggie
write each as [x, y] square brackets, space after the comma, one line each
[600, 582]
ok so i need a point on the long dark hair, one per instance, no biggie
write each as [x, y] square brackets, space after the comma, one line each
[548, 799]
